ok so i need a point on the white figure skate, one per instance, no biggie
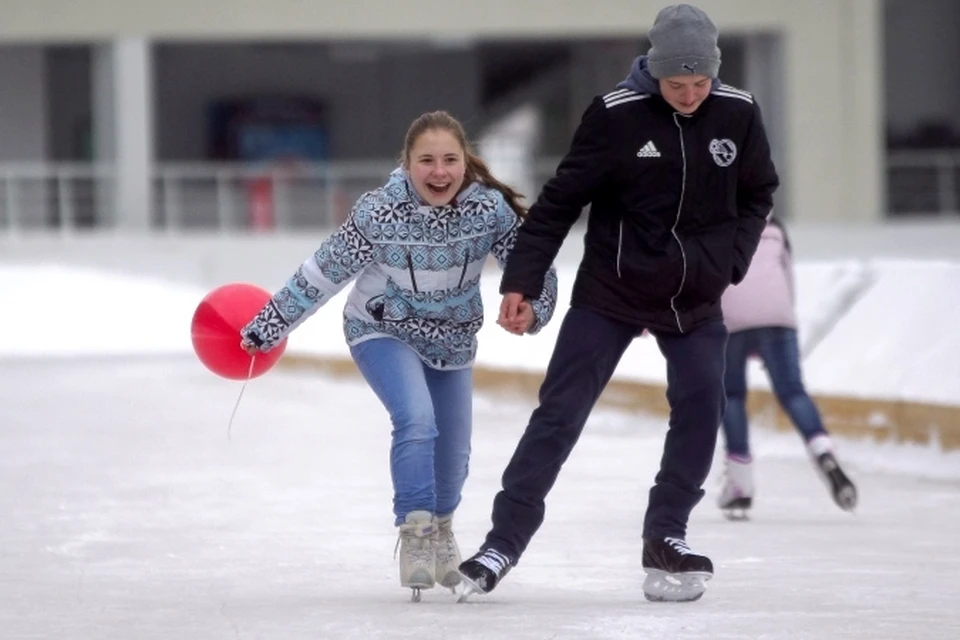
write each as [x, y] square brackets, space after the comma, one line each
[736, 495]
[448, 554]
[418, 552]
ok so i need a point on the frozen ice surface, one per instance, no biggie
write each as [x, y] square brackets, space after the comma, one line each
[127, 513]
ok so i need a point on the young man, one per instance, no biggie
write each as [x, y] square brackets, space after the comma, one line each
[676, 169]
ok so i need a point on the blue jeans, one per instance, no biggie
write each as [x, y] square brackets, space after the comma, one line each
[432, 413]
[780, 353]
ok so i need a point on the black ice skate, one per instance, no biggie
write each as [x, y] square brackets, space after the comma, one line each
[674, 572]
[840, 486]
[483, 572]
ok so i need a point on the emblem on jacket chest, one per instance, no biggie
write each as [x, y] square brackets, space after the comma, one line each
[724, 151]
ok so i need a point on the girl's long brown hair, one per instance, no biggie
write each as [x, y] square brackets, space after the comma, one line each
[476, 169]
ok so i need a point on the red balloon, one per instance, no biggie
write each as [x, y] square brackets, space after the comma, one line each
[215, 331]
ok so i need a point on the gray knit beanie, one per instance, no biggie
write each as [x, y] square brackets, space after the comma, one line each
[683, 41]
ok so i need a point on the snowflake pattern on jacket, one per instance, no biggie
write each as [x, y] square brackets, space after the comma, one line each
[417, 270]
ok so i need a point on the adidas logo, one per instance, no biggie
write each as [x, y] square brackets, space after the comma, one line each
[648, 150]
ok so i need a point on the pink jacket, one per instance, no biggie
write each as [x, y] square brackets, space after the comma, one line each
[765, 298]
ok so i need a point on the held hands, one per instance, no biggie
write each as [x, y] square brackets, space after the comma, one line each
[516, 314]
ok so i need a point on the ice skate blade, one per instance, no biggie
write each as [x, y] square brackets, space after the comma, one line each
[736, 515]
[660, 586]
[737, 508]
[416, 589]
[469, 588]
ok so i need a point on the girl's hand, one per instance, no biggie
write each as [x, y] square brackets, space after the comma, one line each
[516, 314]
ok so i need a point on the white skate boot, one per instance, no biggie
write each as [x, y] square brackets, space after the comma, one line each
[736, 496]
[825, 462]
[418, 552]
[448, 554]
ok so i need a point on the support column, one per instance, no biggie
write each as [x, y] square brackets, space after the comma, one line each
[813, 113]
[764, 72]
[123, 131]
[834, 113]
[864, 120]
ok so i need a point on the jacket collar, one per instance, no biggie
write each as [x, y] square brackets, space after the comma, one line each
[664, 106]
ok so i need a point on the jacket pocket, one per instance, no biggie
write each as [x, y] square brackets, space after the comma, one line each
[396, 302]
[651, 271]
[452, 306]
[710, 260]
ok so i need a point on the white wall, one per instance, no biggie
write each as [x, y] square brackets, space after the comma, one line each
[210, 258]
[23, 103]
[898, 341]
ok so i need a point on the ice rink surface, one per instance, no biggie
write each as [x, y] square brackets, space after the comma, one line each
[128, 513]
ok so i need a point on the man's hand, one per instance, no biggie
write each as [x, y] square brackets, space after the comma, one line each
[516, 314]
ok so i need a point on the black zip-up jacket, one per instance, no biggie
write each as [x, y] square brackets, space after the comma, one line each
[677, 206]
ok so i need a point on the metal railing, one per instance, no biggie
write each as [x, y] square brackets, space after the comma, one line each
[236, 196]
[923, 182]
[71, 196]
[226, 196]
[289, 197]
[63, 196]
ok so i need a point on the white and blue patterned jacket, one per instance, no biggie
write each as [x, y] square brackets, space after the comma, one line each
[418, 273]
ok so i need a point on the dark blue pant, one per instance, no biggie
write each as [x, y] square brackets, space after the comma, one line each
[777, 348]
[587, 352]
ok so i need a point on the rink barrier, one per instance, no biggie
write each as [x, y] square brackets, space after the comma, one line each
[877, 419]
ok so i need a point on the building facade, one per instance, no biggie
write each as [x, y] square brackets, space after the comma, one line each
[136, 102]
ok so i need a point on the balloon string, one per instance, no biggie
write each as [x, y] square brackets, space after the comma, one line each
[253, 359]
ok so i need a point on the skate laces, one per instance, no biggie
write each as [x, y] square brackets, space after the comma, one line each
[493, 560]
[680, 546]
[446, 541]
[419, 556]
[418, 537]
